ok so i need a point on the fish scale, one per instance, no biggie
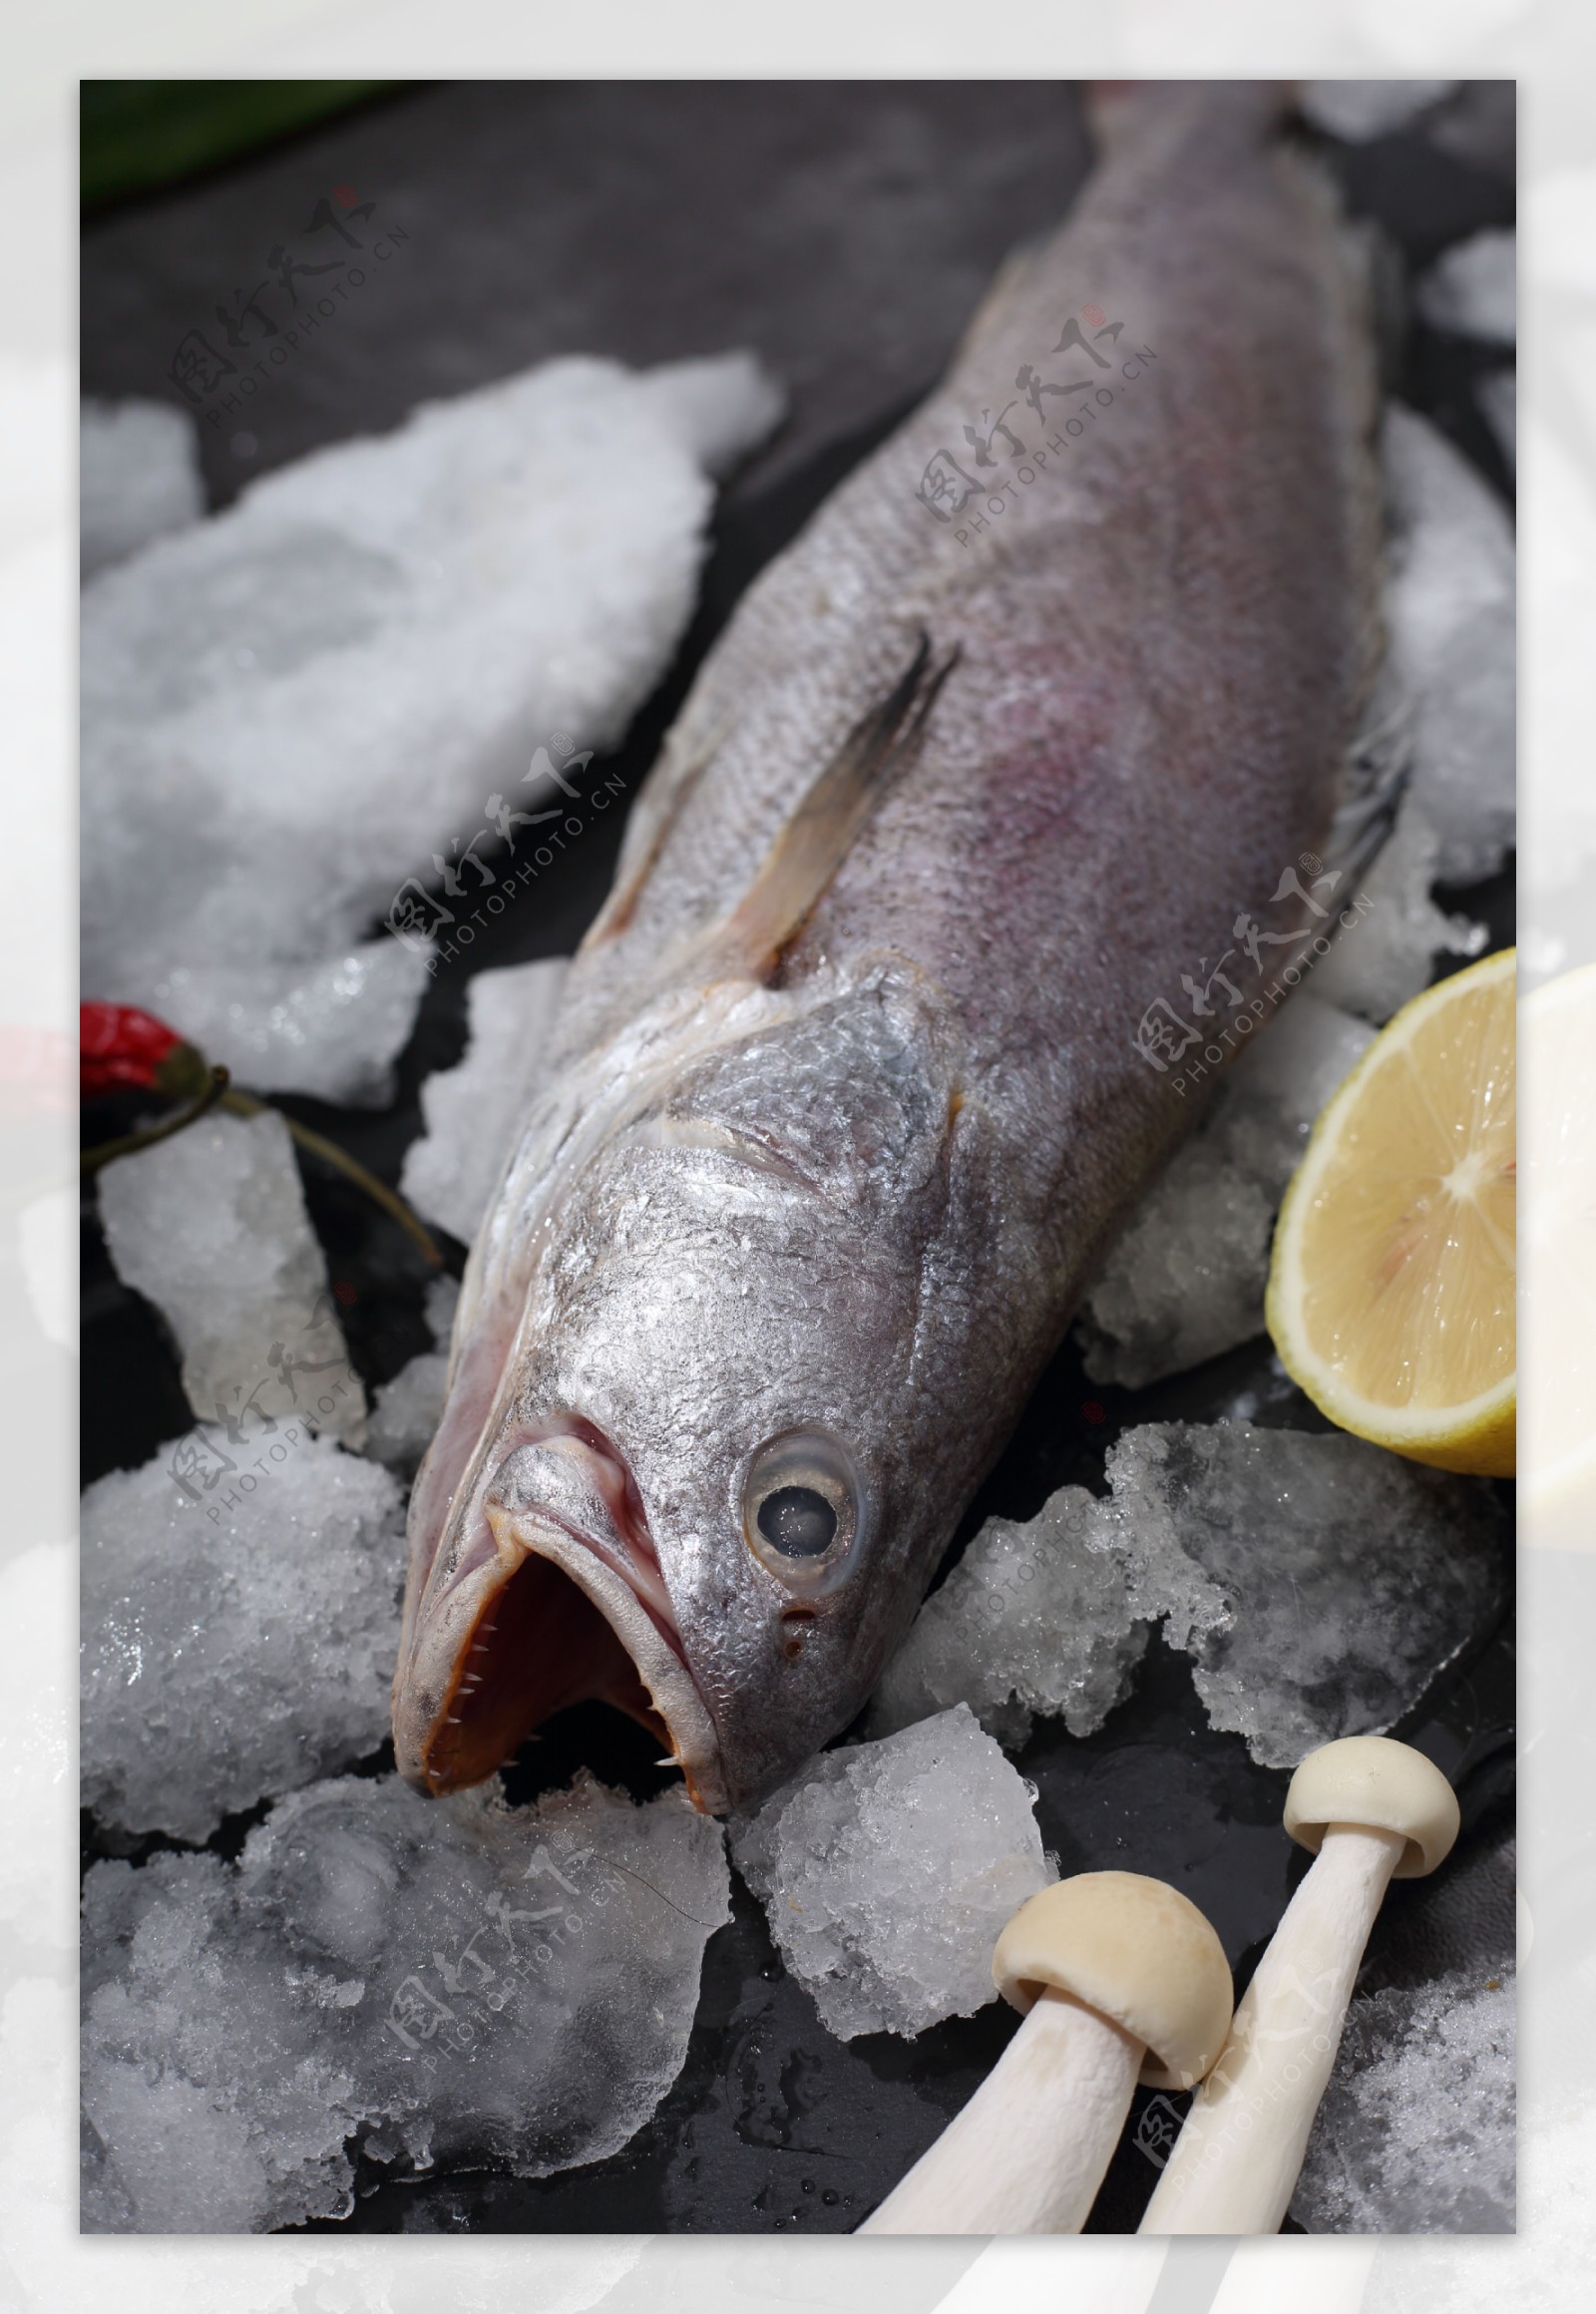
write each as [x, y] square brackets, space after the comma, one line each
[844, 1100]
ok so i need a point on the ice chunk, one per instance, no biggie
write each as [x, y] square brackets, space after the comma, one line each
[1472, 289]
[422, 1980]
[719, 411]
[1360, 110]
[1318, 1582]
[409, 1408]
[239, 1618]
[1389, 954]
[1029, 1622]
[1450, 606]
[212, 1226]
[888, 1869]
[474, 1112]
[1186, 1279]
[138, 476]
[1497, 396]
[332, 1029]
[338, 685]
[1417, 2133]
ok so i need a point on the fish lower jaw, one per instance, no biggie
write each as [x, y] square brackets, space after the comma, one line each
[545, 1624]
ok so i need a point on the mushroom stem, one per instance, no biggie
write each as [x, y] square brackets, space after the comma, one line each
[1028, 2151]
[1236, 2161]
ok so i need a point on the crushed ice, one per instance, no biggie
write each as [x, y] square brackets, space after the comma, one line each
[473, 1112]
[138, 478]
[1451, 606]
[420, 1981]
[1317, 1583]
[211, 1227]
[1361, 110]
[1391, 954]
[1473, 289]
[888, 1869]
[239, 1616]
[291, 708]
[1031, 1622]
[407, 1411]
[1418, 2131]
[1186, 1278]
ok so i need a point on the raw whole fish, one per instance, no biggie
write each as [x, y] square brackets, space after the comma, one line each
[852, 1079]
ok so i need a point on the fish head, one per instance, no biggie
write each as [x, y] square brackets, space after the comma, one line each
[717, 1472]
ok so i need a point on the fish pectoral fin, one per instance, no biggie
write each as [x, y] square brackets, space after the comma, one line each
[1372, 782]
[816, 840]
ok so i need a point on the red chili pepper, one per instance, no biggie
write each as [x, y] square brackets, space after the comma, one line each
[118, 1046]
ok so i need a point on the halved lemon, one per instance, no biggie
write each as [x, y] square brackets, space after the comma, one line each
[1557, 1482]
[1390, 1285]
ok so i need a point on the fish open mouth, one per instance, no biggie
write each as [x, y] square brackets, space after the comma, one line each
[555, 1599]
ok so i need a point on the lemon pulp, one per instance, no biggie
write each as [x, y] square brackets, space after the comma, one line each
[1391, 1285]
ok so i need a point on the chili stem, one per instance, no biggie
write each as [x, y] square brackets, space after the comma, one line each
[103, 1152]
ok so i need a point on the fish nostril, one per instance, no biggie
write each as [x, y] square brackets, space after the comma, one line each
[796, 1622]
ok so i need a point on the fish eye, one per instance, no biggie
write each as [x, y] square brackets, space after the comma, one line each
[802, 1507]
[798, 1522]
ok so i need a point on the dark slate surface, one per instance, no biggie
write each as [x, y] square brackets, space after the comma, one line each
[845, 231]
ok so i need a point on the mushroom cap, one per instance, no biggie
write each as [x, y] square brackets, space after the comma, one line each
[1375, 1784]
[1136, 1951]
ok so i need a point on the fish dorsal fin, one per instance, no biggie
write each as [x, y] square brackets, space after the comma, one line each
[816, 840]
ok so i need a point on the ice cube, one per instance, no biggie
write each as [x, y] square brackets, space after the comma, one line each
[888, 1869]
[240, 1615]
[427, 1981]
[1389, 954]
[138, 476]
[1186, 1279]
[474, 1112]
[1417, 2133]
[1030, 1621]
[338, 685]
[1357, 111]
[1450, 608]
[1318, 1582]
[211, 1227]
[1472, 289]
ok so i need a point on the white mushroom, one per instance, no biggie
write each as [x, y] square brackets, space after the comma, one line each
[1119, 1978]
[1369, 1809]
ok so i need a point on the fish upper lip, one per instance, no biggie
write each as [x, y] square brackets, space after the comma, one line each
[559, 1491]
[628, 1548]
[638, 1567]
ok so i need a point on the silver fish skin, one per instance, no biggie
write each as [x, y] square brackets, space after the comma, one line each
[844, 1105]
